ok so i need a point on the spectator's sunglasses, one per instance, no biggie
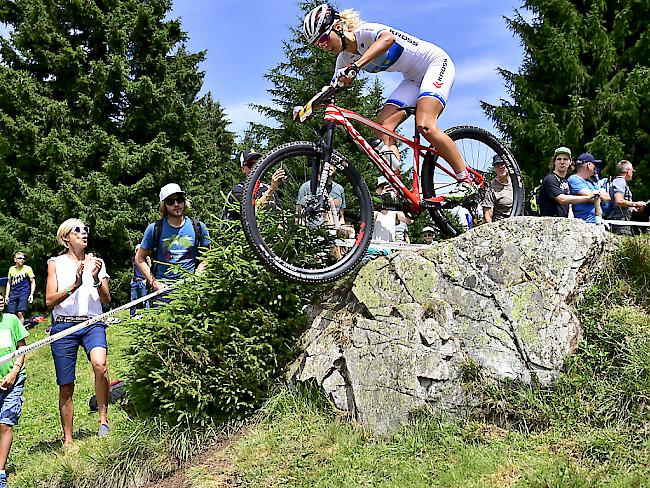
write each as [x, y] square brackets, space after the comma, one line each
[79, 229]
[20, 257]
[171, 200]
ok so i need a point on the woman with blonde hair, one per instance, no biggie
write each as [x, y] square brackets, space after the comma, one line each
[77, 285]
[428, 77]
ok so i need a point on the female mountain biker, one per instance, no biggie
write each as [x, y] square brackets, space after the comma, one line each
[428, 77]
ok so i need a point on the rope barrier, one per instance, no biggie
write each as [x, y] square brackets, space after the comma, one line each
[384, 245]
[55, 337]
[627, 222]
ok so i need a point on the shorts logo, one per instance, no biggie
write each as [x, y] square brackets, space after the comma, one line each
[439, 83]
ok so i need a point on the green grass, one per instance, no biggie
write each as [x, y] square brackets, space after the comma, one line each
[303, 444]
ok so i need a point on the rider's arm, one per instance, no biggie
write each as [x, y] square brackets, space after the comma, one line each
[383, 43]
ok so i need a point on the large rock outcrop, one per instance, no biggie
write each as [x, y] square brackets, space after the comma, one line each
[398, 336]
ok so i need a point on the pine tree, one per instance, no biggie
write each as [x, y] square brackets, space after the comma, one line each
[98, 109]
[584, 83]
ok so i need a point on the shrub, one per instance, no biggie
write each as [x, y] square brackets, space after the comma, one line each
[213, 352]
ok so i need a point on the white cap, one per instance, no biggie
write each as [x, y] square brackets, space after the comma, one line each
[428, 229]
[381, 181]
[170, 189]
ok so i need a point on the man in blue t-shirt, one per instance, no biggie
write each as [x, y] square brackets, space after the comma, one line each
[177, 242]
[582, 184]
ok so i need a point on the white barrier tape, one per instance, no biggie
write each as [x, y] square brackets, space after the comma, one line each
[384, 245]
[627, 222]
[48, 340]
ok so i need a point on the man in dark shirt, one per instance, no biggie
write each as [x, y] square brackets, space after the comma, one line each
[555, 194]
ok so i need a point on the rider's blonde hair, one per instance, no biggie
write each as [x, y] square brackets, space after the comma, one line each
[350, 19]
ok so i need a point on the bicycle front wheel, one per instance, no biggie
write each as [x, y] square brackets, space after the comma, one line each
[297, 234]
[477, 148]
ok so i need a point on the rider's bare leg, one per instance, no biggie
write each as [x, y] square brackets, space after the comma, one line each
[389, 118]
[426, 119]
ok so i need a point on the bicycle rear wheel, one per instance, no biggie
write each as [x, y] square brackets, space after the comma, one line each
[477, 148]
[297, 235]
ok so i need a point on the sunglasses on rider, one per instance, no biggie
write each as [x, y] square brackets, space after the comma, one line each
[79, 229]
[171, 200]
[323, 40]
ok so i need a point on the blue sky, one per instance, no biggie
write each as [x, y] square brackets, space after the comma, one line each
[244, 41]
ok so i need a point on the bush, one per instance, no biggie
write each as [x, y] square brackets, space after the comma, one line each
[213, 352]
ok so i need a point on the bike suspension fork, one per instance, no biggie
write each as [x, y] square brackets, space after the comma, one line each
[318, 185]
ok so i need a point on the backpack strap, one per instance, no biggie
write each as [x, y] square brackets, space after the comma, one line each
[157, 233]
[198, 236]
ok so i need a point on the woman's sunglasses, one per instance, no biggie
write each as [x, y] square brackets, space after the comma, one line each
[171, 200]
[79, 229]
[323, 40]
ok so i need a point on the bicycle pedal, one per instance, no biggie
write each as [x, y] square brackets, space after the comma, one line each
[433, 202]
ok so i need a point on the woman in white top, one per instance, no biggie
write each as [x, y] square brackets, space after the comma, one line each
[427, 69]
[77, 285]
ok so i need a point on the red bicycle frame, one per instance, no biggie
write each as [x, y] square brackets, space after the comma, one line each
[343, 117]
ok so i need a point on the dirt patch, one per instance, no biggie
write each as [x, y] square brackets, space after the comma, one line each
[214, 467]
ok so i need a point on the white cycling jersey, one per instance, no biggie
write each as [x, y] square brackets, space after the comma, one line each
[428, 70]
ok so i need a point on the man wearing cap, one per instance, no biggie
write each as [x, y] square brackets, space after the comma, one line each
[555, 193]
[265, 194]
[174, 239]
[498, 199]
[427, 235]
[622, 204]
[582, 184]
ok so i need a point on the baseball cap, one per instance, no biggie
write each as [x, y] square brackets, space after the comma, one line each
[427, 229]
[248, 157]
[170, 189]
[382, 181]
[587, 158]
[562, 150]
[496, 160]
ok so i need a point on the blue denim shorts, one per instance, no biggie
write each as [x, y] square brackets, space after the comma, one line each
[64, 351]
[17, 302]
[11, 402]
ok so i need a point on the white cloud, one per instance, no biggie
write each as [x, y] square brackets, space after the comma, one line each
[478, 70]
[241, 114]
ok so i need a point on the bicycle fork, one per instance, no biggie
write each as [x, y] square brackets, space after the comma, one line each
[317, 186]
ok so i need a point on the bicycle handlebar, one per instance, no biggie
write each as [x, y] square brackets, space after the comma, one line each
[303, 112]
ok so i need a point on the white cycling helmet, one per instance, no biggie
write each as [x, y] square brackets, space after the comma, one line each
[318, 21]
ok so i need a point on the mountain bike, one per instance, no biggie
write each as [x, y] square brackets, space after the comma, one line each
[322, 222]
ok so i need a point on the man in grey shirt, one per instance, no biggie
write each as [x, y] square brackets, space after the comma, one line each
[622, 204]
[498, 199]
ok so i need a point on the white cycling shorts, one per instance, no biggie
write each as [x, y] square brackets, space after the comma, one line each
[436, 82]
